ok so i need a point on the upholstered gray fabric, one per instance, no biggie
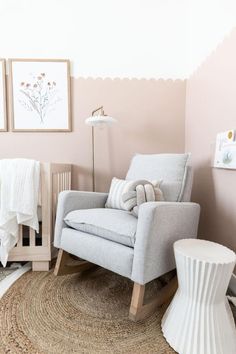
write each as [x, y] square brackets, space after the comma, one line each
[107, 254]
[170, 168]
[186, 197]
[111, 224]
[73, 200]
[160, 224]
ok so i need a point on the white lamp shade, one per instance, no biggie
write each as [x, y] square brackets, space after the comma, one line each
[100, 120]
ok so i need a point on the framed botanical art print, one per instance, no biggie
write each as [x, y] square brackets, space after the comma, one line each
[40, 95]
[3, 111]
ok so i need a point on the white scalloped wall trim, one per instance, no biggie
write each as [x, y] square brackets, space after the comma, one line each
[127, 79]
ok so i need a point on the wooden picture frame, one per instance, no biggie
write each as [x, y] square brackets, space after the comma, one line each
[3, 105]
[39, 95]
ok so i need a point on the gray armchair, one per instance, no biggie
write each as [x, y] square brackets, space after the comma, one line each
[102, 236]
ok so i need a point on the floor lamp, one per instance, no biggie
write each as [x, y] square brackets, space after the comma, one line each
[97, 119]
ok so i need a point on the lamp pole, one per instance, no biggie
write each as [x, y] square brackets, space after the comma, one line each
[93, 159]
[98, 118]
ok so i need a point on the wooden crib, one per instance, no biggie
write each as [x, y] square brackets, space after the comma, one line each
[38, 247]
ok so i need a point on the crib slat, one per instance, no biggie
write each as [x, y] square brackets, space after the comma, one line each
[45, 240]
[69, 180]
[66, 185]
[66, 181]
[32, 237]
[58, 183]
[20, 243]
[54, 205]
[63, 181]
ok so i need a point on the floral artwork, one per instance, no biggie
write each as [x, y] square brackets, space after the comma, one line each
[40, 95]
[2, 96]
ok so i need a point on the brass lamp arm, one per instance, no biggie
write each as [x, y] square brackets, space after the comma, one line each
[102, 113]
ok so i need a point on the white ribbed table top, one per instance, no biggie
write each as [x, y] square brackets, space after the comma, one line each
[205, 251]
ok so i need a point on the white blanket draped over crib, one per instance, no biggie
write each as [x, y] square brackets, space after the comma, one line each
[19, 192]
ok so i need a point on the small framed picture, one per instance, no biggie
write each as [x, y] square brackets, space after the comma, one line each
[3, 110]
[40, 95]
[225, 150]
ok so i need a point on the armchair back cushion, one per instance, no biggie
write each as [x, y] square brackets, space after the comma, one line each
[170, 168]
[186, 197]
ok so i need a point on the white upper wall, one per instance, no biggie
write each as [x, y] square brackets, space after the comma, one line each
[103, 38]
[208, 22]
[116, 38]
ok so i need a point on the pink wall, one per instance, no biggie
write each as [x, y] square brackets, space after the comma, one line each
[151, 118]
[211, 108]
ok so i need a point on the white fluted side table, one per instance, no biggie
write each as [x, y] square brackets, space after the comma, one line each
[199, 319]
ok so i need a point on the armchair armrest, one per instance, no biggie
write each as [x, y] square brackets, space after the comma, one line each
[74, 200]
[160, 224]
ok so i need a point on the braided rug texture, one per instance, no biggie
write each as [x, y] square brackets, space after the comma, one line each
[80, 313]
[4, 272]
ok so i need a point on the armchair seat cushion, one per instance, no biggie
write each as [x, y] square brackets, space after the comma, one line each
[112, 224]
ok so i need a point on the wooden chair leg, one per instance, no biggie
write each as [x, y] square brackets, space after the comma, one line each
[62, 267]
[136, 300]
[139, 310]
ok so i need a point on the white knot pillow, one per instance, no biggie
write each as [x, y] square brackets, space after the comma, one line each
[129, 195]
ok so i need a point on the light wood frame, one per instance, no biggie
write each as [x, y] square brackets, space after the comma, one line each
[64, 267]
[3, 66]
[11, 94]
[139, 310]
[54, 179]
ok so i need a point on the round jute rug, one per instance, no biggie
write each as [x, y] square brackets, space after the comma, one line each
[80, 313]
